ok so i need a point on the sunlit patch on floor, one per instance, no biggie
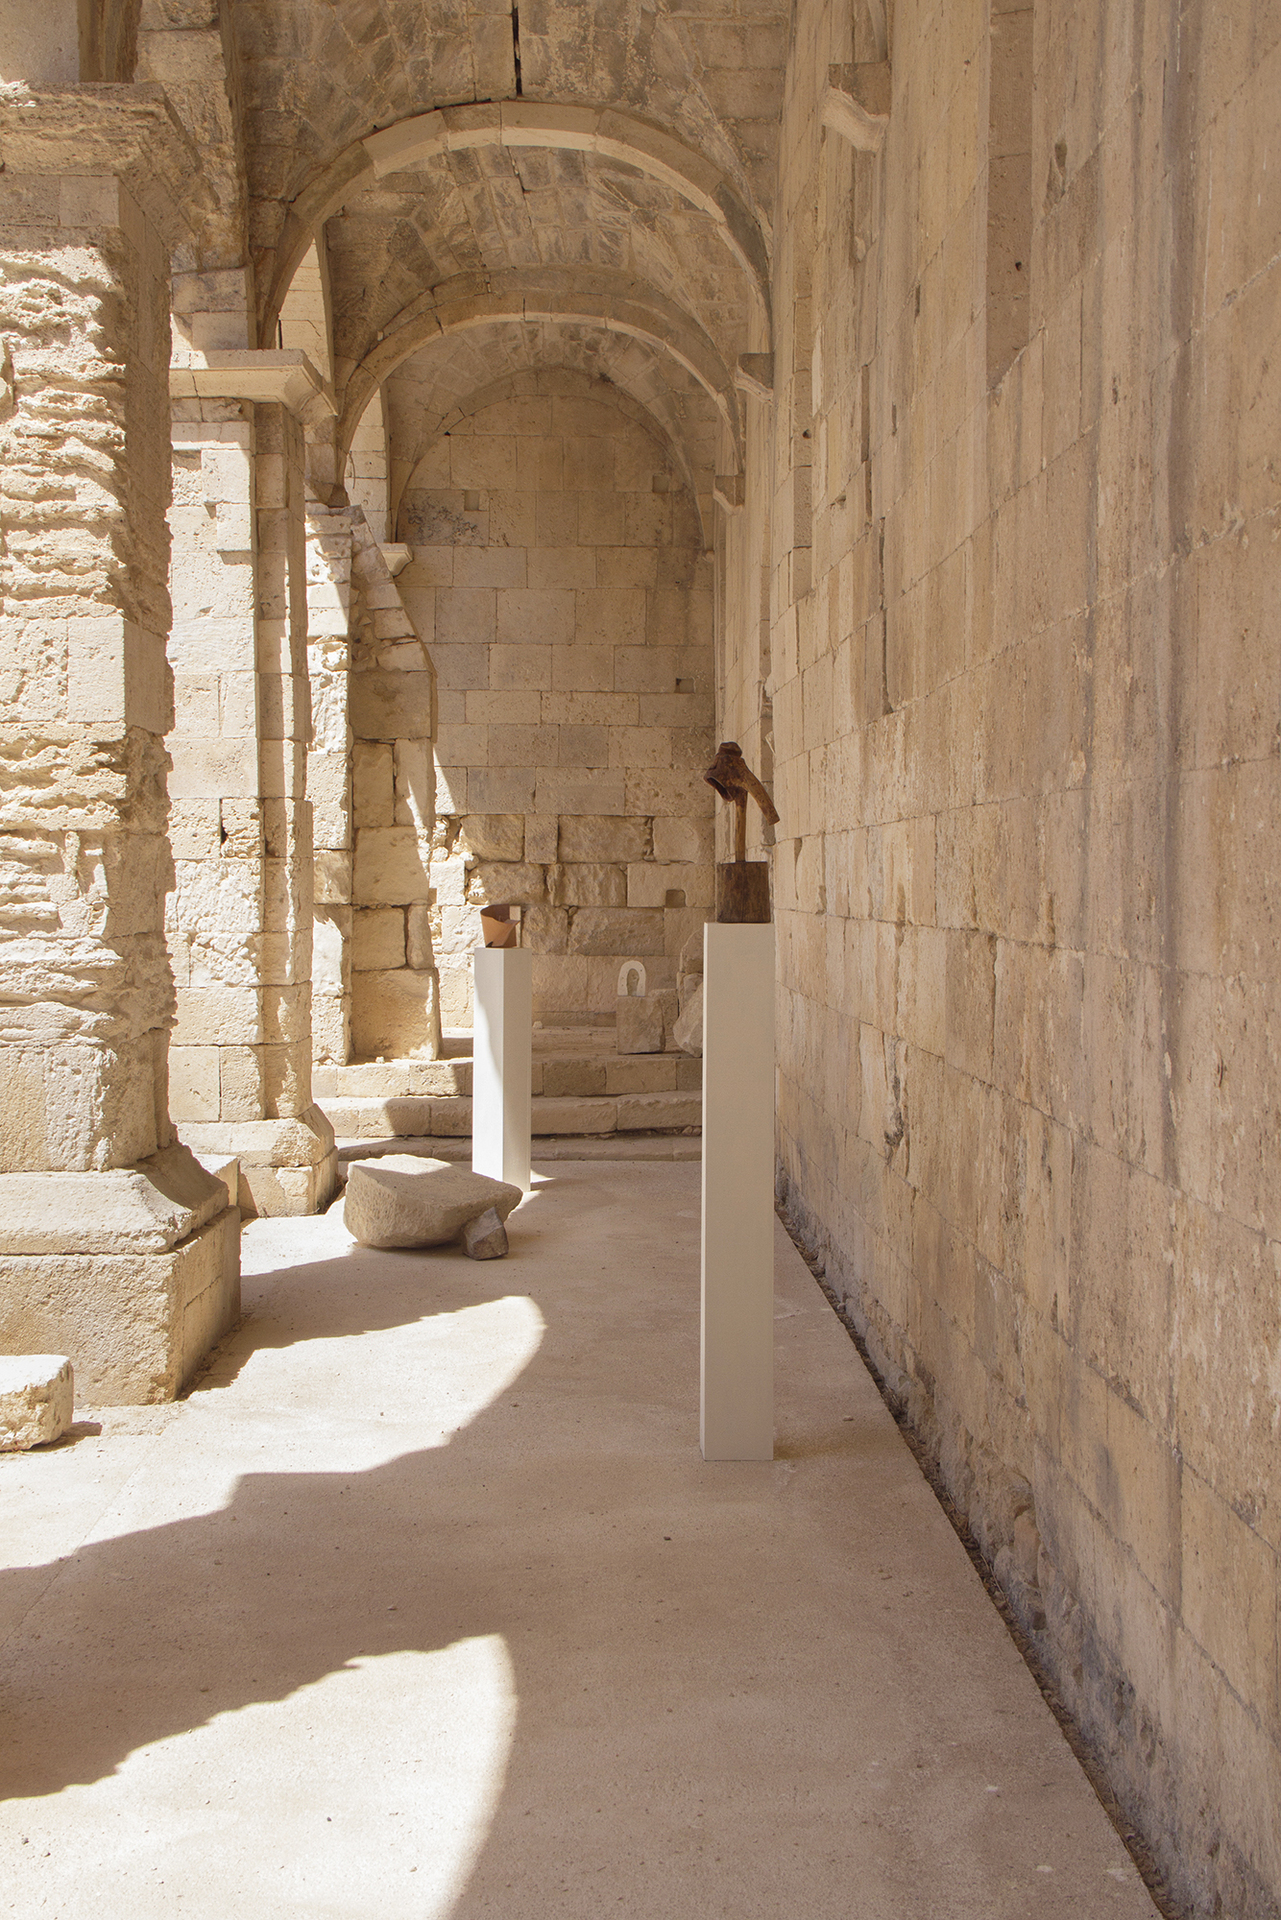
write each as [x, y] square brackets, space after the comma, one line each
[367, 1792]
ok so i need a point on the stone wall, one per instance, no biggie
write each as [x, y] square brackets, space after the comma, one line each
[371, 770]
[558, 574]
[1019, 493]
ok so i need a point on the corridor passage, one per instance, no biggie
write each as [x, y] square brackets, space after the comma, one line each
[423, 1604]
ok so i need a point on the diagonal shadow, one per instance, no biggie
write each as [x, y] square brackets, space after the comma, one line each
[704, 1659]
[147, 1635]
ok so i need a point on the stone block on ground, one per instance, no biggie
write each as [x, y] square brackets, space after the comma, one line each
[36, 1400]
[402, 1200]
[485, 1237]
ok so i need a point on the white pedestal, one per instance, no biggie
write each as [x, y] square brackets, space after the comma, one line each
[503, 1023]
[738, 1193]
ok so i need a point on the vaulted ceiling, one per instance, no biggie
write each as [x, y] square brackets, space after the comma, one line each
[580, 171]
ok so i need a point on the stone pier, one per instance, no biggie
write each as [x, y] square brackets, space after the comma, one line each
[240, 918]
[116, 1247]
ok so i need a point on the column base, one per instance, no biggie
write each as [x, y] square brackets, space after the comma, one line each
[133, 1273]
[287, 1167]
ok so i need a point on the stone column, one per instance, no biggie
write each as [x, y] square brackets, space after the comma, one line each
[240, 925]
[329, 773]
[116, 1247]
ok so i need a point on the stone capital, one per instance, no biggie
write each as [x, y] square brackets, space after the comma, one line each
[283, 377]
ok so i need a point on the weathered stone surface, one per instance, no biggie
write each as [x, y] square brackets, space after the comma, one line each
[147, 1209]
[135, 1326]
[659, 1112]
[668, 1003]
[485, 1237]
[616, 930]
[36, 1400]
[687, 1031]
[403, 1201]
[395, 1012]
[506, 884]
[691, 960]
[494, 836]
[602, 840]
[640, 1024]
[587, 884]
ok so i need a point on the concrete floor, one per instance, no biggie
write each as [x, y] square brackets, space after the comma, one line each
[424, 1604]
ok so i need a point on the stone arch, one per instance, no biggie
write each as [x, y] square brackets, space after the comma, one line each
[427, 392]
[596, 297]
[622, 137]
[556, 562]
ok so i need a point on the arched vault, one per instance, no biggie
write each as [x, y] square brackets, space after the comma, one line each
[454, 373]
[603, 134]
[573, 297]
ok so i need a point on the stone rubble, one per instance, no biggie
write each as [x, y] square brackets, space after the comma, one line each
[37, 1400]
[403, 1200]
[485, 1237]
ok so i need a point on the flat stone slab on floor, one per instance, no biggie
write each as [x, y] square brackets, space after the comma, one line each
[425, 1604]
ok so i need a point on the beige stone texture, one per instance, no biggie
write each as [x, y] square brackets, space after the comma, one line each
[584, 884]
[890, 389]
[37, 1400]
[378, 938]
[395, 1012]
[551, 632]
[985, 629]
[615, 930]
[638, 1024]
[134, 1325]
[402, 1201]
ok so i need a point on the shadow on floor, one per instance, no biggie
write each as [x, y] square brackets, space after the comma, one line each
[727, 1680]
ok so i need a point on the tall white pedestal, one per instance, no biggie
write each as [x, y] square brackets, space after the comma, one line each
[503, 1023]
[738, 1193]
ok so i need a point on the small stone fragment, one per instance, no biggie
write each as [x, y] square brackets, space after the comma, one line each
[485, 1237]
[688, 1031]
[691, 960]
[37, 1398]
[401, 1200]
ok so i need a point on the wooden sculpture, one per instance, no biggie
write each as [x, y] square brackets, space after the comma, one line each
[742, 885]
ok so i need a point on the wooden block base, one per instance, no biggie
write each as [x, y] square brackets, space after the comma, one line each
[742, 893]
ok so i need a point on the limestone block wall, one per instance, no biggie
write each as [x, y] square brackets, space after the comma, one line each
[1019, 496]
[558, 569]
[395, 990]
[240, 916]
[371, 774]
[329, 769]
[215, 915]
[367, 475]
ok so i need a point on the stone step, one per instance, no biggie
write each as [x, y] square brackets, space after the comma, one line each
[594, 1073]
[365, 1117]
[392, 1079]
[548, 1146]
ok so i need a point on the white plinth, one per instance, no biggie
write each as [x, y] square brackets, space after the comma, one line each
[501, 1079]
[738, 1193]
